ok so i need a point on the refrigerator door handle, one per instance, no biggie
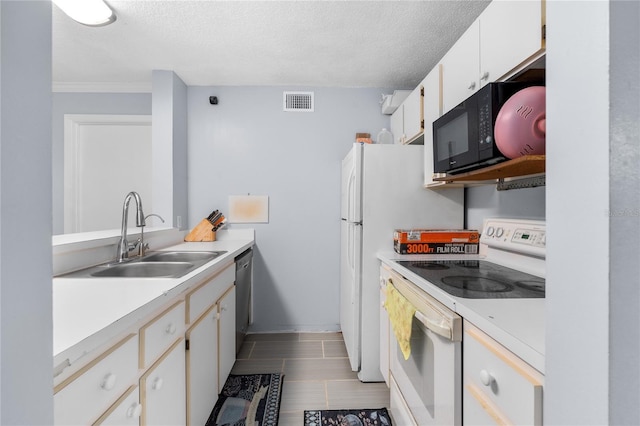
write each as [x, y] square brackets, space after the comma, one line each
[351, 196]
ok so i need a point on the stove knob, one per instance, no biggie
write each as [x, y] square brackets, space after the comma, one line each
[499, 232]
[490, 231]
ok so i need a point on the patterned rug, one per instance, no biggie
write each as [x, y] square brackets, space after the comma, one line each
[376, 417]
[252, 399]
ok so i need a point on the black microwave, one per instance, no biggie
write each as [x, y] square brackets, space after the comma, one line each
[463, 138]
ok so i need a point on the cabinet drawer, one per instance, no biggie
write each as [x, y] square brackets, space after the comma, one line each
[503, 384]
[157, 335]
[205, 295]
[126, 411]
[85, 395]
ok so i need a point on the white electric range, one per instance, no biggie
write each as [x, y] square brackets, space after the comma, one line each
[500, 291]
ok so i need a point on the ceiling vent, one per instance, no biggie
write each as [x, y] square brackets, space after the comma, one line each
[298, 101]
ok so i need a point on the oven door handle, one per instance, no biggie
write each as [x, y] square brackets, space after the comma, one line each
[439, 328]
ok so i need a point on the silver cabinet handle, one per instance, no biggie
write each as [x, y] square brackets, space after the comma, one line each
[485, 76]
[472, 85]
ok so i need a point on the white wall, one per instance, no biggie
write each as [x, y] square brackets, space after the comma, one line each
[486, 201]
[578, 245]
[26, 338]
[247, 145]
[169, 134]
[624, 222]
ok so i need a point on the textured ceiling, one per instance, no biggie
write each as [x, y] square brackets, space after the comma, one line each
[296, 43]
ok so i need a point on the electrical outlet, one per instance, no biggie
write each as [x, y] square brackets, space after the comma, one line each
[179, 221]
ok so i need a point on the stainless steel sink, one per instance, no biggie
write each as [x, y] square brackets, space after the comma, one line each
[181, 256]
[146, 270]
[159, 264]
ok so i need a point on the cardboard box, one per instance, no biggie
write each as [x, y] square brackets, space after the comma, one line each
[435, 241]
[363, 137]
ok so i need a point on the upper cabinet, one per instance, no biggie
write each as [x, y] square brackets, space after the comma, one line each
[504, 37]
[432, 110]
[407, 122]
[460, 69]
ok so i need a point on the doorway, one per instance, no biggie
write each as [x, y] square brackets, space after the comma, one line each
[105, 157]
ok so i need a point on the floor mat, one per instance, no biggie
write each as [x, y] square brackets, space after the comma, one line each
[368, 417]
[252, 399]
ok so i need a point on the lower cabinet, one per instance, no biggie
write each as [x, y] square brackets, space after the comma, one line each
[162, 389]
[85, 395]
[167, 371]
[202, 366]
[125, 412]
[227, 338]
[498, 387]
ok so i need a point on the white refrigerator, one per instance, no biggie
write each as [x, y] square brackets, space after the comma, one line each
[381, 191]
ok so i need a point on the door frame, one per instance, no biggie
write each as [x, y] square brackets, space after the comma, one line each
[72, 125]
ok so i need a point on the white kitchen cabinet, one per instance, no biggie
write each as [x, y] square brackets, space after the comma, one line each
[461, 68]
[396, 125]
[202, 366]
[501, 40]
[125, 412]
[432, 111]
[84, 396]
[163, 390]
[160, 332]
[227, 335]
[498, 387]
[510, 32]
[407, 122]
[413, 117]
[206, 294]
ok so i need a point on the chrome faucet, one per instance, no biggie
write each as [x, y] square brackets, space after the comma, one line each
[143, 245]
[123, 245]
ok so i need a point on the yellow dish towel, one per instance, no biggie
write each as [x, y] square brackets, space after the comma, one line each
[401, 313]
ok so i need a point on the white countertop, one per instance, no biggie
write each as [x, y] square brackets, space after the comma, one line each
[85, 307]
[517, 324]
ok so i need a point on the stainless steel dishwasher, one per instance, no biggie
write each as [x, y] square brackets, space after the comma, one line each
[244, 268]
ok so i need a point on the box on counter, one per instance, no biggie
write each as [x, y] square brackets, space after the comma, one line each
[435, 241]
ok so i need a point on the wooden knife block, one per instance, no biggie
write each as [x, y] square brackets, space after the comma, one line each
[203, 231]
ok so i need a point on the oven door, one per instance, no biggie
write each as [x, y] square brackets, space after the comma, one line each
[430, 380]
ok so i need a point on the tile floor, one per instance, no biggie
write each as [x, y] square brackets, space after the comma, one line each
[316, 372]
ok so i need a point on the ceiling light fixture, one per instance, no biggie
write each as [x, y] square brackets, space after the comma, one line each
[93, 13]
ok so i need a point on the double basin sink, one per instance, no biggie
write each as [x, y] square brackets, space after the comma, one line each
[160, 264]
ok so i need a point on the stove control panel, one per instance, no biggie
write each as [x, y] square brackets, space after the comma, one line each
[521, 236]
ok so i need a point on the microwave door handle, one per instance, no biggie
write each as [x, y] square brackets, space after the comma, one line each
[436, 327]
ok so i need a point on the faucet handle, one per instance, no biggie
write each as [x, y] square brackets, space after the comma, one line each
[134, 245]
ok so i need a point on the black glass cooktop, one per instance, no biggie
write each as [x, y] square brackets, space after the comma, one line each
[477, 279]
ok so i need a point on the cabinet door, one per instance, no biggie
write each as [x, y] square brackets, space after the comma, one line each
[460, 68]
[498, 381]
[85, 396]
[397, 125]
[202, 367]
[227, 335]
[413, 118]
[125, 412]
[510, 32]
[163, 391]
[432, 108]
